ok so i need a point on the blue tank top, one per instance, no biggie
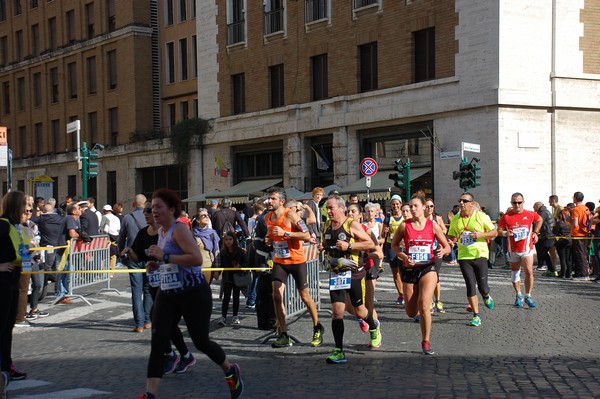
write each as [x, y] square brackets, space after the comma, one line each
[176, 278]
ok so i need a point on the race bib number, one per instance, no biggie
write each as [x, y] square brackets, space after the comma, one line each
[169, 277]
[466, 239]
[340, 281]
[520, 233]
[25, 257]
[420, 253]
[154, 278]
[281, 249]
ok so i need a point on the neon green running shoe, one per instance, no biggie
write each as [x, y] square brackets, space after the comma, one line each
[337, 357]
[317, 338]
[475, 321]
[489, 302]
[283, 341]
[375, 341]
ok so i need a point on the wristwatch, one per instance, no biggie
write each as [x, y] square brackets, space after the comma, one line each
[286, 234]
[349, 248]
[166, 258]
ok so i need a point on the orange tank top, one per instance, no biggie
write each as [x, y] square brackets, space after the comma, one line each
[286, 251]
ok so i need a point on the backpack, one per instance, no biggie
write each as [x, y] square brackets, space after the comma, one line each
[227, 227]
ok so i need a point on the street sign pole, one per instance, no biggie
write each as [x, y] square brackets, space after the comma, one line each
[75, 126]
[368, 184]
[368, 168]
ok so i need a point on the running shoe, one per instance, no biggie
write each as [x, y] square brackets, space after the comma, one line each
[475, 321]
[171, 361]
[39, 313]
[519, 300]
[14, 374]
[426, 347]
[375, 341]
[530, 302]
[400, 300]
[432, 308]
[30, 316]
[337, 357]
[439, 307]
[551, 274]
[317, 338]
[453, 262]
[417, 319]
[469, 308]
[364, 326]
[234, 380]
[283, 341]
[184, 364]
[222, 321]
[146, 395]
[236, 321]
[23, 323]
[541, 268]
[4, 378]
[489, 302]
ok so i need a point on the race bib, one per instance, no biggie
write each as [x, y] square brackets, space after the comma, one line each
[281, 249]
[169, 277]
[520, 233]
[154, 278]
[25, 257]
[340, 281]
[466, 239]
[420, 253]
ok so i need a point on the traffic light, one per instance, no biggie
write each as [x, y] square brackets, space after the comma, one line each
[89, 169]
[399, 177]
[475, 176]
[467, 175]
[92, 167]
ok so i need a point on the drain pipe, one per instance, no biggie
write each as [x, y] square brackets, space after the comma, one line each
[553, 103]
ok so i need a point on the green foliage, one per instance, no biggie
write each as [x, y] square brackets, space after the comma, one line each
[182, 137]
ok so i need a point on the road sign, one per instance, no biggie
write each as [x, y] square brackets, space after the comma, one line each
[368, 181]
[73, 126]
[471, 147]
[449, 154]
[368, 167]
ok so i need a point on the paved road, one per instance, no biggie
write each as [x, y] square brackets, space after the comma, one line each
[85, 351]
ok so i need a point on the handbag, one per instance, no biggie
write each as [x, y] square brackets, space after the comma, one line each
[242, 279]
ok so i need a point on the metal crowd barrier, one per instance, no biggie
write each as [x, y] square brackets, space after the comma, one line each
[89, 257]
[291, 297]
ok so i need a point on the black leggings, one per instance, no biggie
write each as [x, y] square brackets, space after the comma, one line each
[227, 289]
[176, 334]
[195, 306]
[475, 271]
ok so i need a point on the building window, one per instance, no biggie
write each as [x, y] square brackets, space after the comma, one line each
[172, 177]
[3, 50]
[2, 10]
[111, 60]
[169, 12]
[23, 142]
[93, 127]
[73, 137]
[111, 15]
[53, 85]
[91, 74]
[35, 39]
[111, 187]
[172, 115]
[277, 93]
[238, 84]
[38, 139]
[367, 67]
[183, 59]
[236, 24]
[319, 77]
[17, 9]
[70, 18]
[424, 47]
[52, 33]
[21, 94]
[170, 62]
[193, 8]
[89, 19]
[19, 44]
[33, 3]
[273, 16]
[37, 89]
[258, 162]
[316, 10]
[71, 185]
[364, 3]
[184, 110]
[72, 79]
[183, 10]
[55, 131]
[113, 125]
[6, 98]
[321, 162]
[195, 107]
[194, 57]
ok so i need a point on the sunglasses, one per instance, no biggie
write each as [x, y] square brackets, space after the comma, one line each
[148, 210]
[464, 201]
[204, 215]
[516, 202]
[28, 211]
[429, 206]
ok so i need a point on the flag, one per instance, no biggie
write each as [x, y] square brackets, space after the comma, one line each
[437, 141]
[221, 169]
[321, 163]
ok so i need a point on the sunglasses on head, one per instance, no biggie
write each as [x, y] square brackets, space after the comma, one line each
[148, 210]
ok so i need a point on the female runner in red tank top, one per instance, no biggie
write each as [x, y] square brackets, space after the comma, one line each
[418, 271]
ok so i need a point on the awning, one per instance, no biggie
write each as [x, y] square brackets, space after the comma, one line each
[294, 193]
[380, 184]
[240, 192]
[195, 198]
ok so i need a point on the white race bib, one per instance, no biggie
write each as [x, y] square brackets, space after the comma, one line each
[154, 278]
[466, 239]
[340, 281]
[281, 249]
[420, 254]
[169, 277]
[520, 233]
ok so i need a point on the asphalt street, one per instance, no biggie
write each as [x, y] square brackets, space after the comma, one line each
[83, 351]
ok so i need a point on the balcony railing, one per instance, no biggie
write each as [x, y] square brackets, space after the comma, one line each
[316, 10]
[364, 3]
[236, 32]
[273, 21]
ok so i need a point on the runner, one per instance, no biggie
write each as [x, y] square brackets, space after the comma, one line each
[419, 273]
[472, 228]
[436, 304]
[390, 224]
[343, 239]
[518, 225]
[286, 233]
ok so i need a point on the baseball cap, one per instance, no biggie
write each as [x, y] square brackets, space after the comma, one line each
[334, 192]
[83, 203]
[107, 208]
[396, 197]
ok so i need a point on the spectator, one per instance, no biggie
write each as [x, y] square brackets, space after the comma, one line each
[562, 230]
[227, 218]
[545, 242]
